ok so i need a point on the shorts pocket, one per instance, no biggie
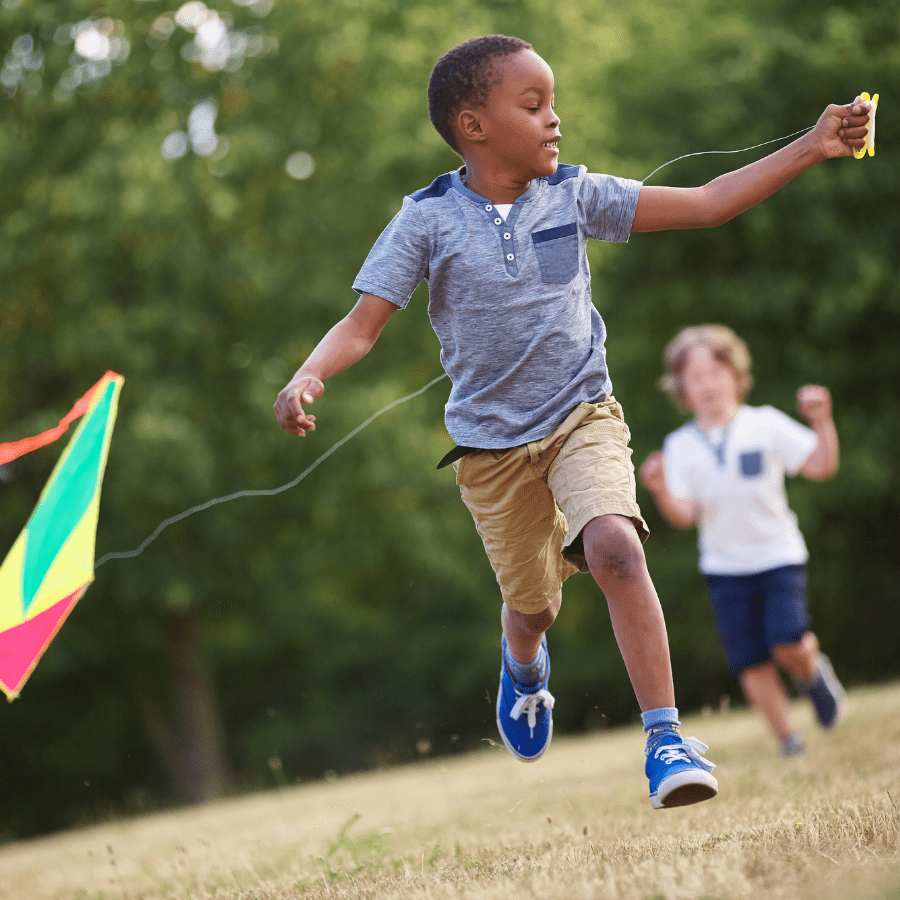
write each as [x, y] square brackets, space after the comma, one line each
[557, 253]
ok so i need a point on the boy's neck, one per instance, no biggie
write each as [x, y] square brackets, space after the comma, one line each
[497, 187]
[713, 419]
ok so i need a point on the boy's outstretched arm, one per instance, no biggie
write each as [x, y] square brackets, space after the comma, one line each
[839, 132]
[814, 403]
[346, 343]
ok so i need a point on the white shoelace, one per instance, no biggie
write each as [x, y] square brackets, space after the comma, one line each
[528, 703]
[690, 749]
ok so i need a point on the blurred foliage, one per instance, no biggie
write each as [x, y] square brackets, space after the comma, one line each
[188, 192]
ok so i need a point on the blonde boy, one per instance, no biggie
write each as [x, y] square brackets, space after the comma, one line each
[724, 473]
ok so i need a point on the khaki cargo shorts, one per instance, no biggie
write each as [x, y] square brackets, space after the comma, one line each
[531, 503]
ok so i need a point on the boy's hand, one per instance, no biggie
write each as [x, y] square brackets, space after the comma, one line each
[289, 405]
[814, 403]
[653, 473]
[841, 130]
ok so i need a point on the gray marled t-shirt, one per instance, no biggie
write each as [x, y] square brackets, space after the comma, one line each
[510, 300]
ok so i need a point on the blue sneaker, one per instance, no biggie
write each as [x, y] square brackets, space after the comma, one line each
[678, 773]
[523, 716]
[827, 694]
[792, 745]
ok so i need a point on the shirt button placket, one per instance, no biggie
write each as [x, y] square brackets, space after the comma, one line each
[507, 238]
[511, 266]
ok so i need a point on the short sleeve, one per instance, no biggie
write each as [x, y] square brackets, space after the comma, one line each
[399, 259]
[677, 458]
[792, 441]
[606, 206]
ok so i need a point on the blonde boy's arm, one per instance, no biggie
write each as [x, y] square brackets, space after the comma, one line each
[822, 463]
[345, 344]
[814, 403]
[679, 513]
[839, 132]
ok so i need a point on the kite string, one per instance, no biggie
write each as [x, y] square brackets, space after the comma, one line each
[267, 492]
[742, 150]
[285, 487]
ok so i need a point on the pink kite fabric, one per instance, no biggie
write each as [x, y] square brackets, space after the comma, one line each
[23, 645]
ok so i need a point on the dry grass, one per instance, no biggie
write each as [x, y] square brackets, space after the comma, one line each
[575, 826]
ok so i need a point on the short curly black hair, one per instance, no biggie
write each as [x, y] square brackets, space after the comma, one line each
[465, 75]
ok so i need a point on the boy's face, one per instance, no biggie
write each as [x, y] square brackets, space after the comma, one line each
[519, 125]
[708, 385]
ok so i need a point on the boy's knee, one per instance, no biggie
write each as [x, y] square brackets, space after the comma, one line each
[613, 549]
[797, 658]
[533, 623]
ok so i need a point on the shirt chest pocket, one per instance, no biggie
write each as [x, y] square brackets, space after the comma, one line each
[557, 253]
[751, 464]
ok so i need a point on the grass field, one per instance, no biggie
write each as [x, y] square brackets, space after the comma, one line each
[575, 826]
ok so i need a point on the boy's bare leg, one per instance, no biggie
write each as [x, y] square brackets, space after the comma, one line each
[765, 692]
[616, 560]
[524, 632]
[815, 675]
[799, 659]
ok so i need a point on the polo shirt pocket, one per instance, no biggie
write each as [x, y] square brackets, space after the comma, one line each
[557, 253]
[751, 464]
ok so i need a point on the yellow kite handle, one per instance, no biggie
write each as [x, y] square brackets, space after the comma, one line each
[870, 137]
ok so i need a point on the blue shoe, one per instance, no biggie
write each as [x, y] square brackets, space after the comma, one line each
[523, 716]
[792, 745]
[678, 773]
[827, 694]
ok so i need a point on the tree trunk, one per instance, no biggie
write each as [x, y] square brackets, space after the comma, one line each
[191, 739]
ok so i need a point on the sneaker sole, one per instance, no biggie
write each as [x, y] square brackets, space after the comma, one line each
[684, 789]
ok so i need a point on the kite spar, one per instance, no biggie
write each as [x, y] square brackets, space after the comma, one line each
[51, 564]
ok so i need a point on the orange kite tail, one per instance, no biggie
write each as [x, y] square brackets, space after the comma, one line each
[9, 452]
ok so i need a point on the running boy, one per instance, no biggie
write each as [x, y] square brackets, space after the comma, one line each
[543, 462]
[724, 473]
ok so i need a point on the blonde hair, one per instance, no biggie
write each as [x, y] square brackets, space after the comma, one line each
[725, 345]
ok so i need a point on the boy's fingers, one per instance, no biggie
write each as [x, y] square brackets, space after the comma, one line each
[854, 134]
[856, 113]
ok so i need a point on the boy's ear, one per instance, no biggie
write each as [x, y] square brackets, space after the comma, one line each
[468, 124]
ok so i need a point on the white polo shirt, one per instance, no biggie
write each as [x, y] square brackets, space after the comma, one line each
[736, 478]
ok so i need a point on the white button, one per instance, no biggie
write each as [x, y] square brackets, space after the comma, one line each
[506, 236]
[489, 207]
[510, 257]
[498, 221]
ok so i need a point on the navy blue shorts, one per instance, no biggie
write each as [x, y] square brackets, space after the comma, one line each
[755, 613]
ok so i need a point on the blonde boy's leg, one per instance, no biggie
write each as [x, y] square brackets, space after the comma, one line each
[799, 659]
[616, 562]
[814, 673]
[765, 693]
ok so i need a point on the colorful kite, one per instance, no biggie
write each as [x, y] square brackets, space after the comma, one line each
[51, 563]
